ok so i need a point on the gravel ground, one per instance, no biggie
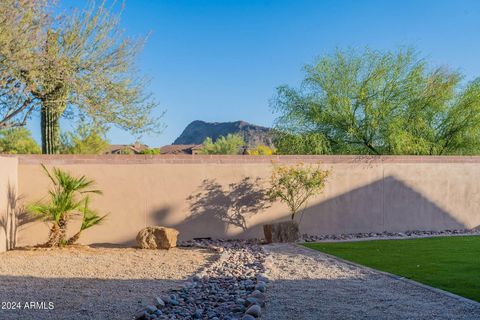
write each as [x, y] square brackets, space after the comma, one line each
[91, 283]
[230, 288]
[309, 285]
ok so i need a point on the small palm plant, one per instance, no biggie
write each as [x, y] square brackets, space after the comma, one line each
[64, 203]
[90, 218]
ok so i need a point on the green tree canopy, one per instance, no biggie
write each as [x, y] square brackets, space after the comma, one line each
[301, 143]
[376, 102]
[18, 141]
[231, 144]
[84, 140]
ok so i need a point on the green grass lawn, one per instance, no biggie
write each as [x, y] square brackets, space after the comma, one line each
[448, 263]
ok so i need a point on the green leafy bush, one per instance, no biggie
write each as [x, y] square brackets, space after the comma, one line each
[152, 151]
[231, 144]
[18, 141]
[84, 140]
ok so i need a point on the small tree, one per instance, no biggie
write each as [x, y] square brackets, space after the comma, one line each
[230, 144]
[295, 185]
[66, 200]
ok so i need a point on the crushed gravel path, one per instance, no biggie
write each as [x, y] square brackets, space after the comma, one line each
[306, 284]
[91, 283]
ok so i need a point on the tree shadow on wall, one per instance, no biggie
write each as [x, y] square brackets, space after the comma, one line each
[14, 217]
[232, 205]
[220, 207]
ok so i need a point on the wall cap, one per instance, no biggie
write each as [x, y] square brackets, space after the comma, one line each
[240, 159]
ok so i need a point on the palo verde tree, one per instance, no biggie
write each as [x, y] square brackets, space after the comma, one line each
[22, 25]
[376, 102]
[84, 68]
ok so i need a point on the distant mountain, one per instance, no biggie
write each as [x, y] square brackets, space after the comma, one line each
[197, 131]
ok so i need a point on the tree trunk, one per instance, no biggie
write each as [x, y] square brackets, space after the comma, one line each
[75, 238]
[62, 224]
[54, 237]
[50, 126]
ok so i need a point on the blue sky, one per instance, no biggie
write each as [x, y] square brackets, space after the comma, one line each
[221, 60]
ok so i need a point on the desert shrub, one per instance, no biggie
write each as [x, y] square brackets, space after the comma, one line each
[296, 184]
[152, 151]
[126, 151]
[231, 144]
[18, 141]
[68, 198]
[261, 150]
[84, 140]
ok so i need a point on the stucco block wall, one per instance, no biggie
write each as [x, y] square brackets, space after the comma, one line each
[221, 196]
[8, 193]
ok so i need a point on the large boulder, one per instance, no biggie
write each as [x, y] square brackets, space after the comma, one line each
[281, 232]
[157, 238]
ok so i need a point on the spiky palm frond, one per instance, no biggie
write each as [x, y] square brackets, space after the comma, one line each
[60, 204]
[90, 217]
[66, 183]
[43, 211]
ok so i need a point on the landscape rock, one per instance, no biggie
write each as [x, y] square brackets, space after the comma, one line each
[159, 302]
[286, 231]
[157, 238]
[254, 310]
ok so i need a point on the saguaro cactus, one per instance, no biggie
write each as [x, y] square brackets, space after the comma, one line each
[54, 98]
[50, 130]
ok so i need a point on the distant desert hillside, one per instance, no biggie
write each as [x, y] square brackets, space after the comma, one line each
[197, 131]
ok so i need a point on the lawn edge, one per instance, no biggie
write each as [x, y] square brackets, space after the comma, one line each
[477, 234]
[394, 276]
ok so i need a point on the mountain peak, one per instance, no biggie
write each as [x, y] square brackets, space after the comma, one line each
[197, 131]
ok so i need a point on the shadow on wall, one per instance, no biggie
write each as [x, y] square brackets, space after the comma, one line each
[226, 211]
[14, 217]
[387, 204]
[217, 207]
